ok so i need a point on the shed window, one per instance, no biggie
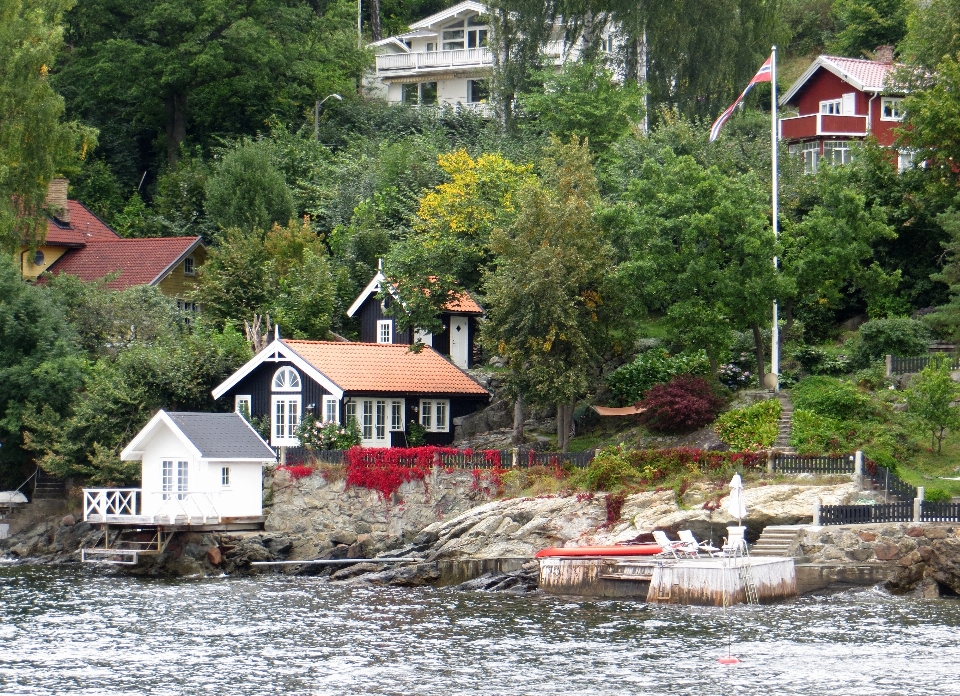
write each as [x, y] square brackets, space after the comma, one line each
[183, 470]
[167, 482]
[189, 268]
[225, 476]
[385, 331]
[286, 379]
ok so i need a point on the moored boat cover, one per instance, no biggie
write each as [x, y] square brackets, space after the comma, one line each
[627, 550]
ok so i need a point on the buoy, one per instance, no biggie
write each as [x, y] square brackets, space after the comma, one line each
[729, 660]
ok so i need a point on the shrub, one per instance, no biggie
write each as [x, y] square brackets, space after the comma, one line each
[631, 382]
[831, 397]
[296, 471]
[895, 336]
[817, 361]
[317, 435]
[655, 466]
[752, 428]
[812, 433]
[609, 470]
[936, 495]
[684, 403]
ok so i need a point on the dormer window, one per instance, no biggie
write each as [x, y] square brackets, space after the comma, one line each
[189, 268]
[286, 379]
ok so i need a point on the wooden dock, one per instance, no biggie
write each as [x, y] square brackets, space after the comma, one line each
[695, 581]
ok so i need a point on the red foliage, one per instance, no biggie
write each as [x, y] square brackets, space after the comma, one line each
[614, 505]
[684, 403]
[296, 472]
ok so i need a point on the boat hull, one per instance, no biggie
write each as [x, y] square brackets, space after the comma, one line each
[601, 551]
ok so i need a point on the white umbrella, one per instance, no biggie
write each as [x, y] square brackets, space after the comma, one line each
[736, 505]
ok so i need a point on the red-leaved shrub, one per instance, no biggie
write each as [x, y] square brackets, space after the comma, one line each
[684, 403]
[296, 471]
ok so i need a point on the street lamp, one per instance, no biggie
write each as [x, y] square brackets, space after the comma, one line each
[316, 113]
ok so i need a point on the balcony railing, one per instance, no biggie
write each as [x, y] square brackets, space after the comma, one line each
[126, 505]
[432, 60]
[811, 125]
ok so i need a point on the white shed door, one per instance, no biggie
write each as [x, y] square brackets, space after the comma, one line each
[460, 341]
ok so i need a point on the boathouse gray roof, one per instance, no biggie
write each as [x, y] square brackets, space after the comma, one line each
[222, 435]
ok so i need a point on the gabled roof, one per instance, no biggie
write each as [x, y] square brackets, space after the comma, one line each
[386, 367]
[210, 436]
[139, 261]
[450, 13]
[462, 303]
[864, 75]
[83, 227]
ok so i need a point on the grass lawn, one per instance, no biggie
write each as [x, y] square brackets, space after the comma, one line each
[929, 468]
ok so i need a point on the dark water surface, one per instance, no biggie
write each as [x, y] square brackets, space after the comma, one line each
[73, 631]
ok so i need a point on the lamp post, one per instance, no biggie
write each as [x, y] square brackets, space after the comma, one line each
[316, 113]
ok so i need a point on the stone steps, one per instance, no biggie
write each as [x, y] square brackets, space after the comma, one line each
[778, 540]
[785, 427]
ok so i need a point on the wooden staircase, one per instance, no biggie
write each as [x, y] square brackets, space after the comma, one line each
[782, 442]
[127, 547]
[48, 487]
[778, 540]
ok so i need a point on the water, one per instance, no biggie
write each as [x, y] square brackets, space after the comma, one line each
[72, 631]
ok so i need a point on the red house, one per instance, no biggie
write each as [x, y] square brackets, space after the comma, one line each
[840, 102]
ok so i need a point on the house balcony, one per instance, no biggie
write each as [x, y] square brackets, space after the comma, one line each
[398, 64]
[126, 506]
[830, 125]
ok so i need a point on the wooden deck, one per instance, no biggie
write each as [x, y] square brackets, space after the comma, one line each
[695, 581]
[180, 523]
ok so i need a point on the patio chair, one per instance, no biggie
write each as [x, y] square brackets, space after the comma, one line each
[690, 542]
[667, 547]
[735, 544]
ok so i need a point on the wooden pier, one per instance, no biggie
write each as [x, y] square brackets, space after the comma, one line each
[695, 581]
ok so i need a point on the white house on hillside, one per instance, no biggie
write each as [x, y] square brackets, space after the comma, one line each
[445, 59]
[197, 468]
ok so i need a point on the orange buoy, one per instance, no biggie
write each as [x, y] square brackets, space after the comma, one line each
[729, 660]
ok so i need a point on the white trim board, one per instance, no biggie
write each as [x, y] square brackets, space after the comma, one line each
[825, 63]
[373, 286]
[275, 352]
[450, 12]
[131, 453]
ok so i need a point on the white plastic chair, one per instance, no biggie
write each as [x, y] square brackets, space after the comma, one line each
[667, 547]
[695, 547]
[735, 544]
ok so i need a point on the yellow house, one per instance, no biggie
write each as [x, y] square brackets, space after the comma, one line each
[81, 244]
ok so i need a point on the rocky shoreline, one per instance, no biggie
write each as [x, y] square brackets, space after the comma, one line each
[454, 532]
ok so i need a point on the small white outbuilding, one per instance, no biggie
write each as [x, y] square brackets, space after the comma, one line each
[207, 465]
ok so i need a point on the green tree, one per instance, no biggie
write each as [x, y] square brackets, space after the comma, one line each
[35, 143]
[931, 399]
[863, 25]
[701, 250]
[246, 190]
[933, 32]
[39, 364]
[584, 99]
[546, 299]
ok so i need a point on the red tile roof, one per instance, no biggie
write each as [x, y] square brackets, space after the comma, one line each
[385, 367]
[871, 74]
[84, 227]
[139, 261]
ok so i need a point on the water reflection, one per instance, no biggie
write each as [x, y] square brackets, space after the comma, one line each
[83, 631]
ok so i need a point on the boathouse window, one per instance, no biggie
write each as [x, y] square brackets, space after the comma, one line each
[330, 410]
[433, 415]
[225, 476]
[167, 478]
[385, 331]
[286, 379]
[183, 469]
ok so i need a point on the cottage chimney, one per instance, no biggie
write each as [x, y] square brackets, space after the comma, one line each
[57, 199]
[884, 54]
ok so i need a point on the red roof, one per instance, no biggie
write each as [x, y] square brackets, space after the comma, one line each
[84, 227]
[869, 73]
[139, 261]
[385, 367]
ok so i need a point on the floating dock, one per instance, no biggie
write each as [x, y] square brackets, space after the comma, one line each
[695, 581]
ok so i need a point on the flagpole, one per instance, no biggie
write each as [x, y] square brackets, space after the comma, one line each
[774, 138]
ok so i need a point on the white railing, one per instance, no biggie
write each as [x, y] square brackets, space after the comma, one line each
[103, 502]
[195, 504]
[435, 59]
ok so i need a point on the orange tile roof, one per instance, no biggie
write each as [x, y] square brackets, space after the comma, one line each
[459, 301]
[139, 261]
[871, 74]
[84, 227]
[385, 367]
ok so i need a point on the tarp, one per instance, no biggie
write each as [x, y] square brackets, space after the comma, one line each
[9, 497]
[622, 411]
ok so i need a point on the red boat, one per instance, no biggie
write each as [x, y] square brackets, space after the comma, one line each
[581, 551]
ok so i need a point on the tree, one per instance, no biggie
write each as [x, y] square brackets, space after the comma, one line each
[700, 250]
[931, 399]
[547, 296]
[35, 144]
[247, 191]
[863, 25]
[39, 364]
[585, 100]
[933, 32]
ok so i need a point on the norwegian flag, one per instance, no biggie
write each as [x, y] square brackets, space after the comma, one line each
[764, 74]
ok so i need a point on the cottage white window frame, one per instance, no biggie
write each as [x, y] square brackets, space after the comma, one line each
[831, 107]
[837, 152]
[384, 331]
[285, 413]
[225, 477]
[183, 479]
[286, 379]
[397, 415]
[810, 152]
[891, 109]
[435, 415]
[241, 400]
[189, 266]
[331, 409]
[166, 478]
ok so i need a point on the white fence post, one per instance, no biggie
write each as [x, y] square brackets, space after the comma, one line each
[888, 365]
[770, 457]
[918, 505]
[515, 456]
[858, 469]
[816, 512]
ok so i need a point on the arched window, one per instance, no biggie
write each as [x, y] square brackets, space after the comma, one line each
[286, 379]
